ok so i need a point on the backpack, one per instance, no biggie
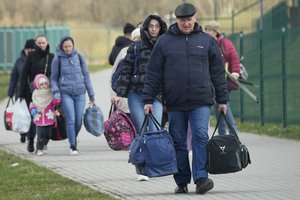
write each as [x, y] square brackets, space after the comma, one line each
[117, 75]
[119, 131]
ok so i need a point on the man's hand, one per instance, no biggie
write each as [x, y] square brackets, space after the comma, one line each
[148, 108]
[223, 108]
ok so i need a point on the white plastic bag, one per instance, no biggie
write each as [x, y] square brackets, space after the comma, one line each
[21, 119]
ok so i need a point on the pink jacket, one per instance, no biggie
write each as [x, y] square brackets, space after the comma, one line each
[47, 116]
[230, 55]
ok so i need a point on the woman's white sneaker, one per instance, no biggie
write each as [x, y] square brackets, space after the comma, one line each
[73, 152]
[39, 152]
[142, 178]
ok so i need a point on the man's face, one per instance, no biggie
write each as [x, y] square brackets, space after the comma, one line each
[186, 24]
[154, 28]
[41, 42]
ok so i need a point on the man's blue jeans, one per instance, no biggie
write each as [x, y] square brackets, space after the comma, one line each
[137, 112]
[73, 108]
[222, 124]
[178, 124]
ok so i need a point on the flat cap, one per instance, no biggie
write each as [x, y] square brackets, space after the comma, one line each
[185, 10]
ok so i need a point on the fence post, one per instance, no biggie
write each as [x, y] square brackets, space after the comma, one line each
[261, 78]
[284, 92]
[241, 91]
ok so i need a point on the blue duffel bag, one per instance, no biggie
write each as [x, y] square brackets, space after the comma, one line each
[93, 120]
[153, 152]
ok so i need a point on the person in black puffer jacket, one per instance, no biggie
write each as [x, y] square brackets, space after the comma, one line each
[37, 62]
[121, 42]
[133, 75]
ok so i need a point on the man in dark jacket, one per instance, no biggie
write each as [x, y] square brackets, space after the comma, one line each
[37, 62]
[16, 74]
[188, 64]
[121, 42]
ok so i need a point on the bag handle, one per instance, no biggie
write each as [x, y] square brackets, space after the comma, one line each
[112, 109]
[228, 124]
[146, 122]
[10, 99]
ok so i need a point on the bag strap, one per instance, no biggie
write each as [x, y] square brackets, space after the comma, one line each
[10, 99]
[228, 124]
[112, 109]
[146, 122]
[46, 64]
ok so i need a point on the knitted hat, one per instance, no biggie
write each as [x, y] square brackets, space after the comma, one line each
[39, 79]
[216, 26]
[135, 33]
[185, 10]
[29, 44]
[128, 28]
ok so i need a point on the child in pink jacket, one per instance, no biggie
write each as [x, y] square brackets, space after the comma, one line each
[42, 108]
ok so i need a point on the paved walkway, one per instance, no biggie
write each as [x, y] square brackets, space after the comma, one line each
[273, 174]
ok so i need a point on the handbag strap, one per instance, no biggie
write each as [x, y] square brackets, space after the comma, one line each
[46, 64]
[232, 131]
[112, 109]
[10, 99]
[146, 122]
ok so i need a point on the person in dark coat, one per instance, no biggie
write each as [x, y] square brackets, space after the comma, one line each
[15, 77]
[37, 62]
[188, 64]
[134, 71]
[121, 42]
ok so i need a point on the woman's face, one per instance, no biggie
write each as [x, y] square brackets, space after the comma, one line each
[67, 46]
[154, 28]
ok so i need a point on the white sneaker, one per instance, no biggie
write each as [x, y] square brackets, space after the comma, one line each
[45, 149]
[142, 178]
[39, 152]
[73, 152]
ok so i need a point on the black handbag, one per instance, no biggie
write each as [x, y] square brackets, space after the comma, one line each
[59, 131]
[226, 154]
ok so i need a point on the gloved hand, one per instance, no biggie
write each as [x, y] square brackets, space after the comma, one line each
[33, 111]
[235, 75]
[56, 95]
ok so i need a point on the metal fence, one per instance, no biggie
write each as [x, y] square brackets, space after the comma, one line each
[271, 58]
[12, 40]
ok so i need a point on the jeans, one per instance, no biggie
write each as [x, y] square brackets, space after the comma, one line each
[178, 124]
[137, 113]
[43, 136]
[73, 109]
[222, 123]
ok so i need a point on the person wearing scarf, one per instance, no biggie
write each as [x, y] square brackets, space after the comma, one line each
[42, 108]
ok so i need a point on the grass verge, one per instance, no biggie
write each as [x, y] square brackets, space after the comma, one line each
[29, 181]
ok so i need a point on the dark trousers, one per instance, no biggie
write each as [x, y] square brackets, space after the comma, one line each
[43, 136]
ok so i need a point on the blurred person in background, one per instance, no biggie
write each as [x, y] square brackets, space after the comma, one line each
[70, 80]
[121, 42]
[230, 57]
[122, 103]
[37, 62]
[16, 74]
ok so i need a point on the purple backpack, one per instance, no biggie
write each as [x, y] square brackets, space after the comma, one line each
[119, 131]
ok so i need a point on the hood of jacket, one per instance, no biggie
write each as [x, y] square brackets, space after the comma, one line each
[122, 41]
[63, 39]
[145, 36]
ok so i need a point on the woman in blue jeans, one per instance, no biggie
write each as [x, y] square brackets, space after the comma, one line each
[134, 71]
[70, 79]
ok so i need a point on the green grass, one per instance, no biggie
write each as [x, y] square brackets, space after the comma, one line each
[29, 181]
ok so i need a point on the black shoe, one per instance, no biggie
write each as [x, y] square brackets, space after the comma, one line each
[23, 138]
[181, 189]
[30, 147]
[204, 185]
